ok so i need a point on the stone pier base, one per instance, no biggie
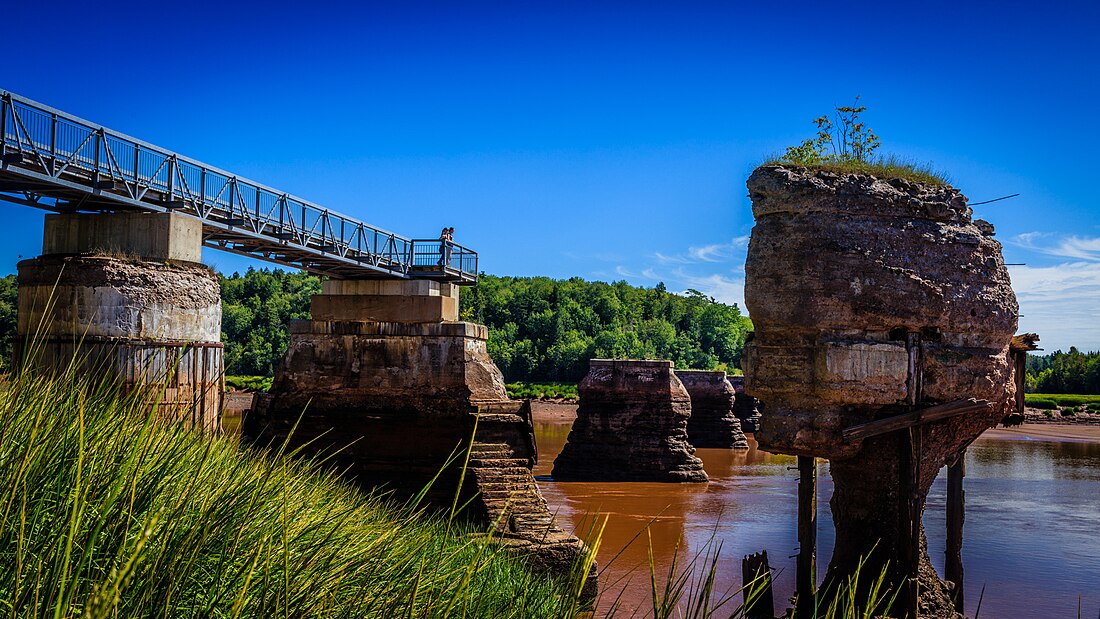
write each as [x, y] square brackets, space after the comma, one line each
[125, 296]
[631, 426]
[745, 407]
[387, 386]
[712, 423]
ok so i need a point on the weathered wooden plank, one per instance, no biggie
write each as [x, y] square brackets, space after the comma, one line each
[914, 418]
[756, 577]
[806, 571]
[953, 566]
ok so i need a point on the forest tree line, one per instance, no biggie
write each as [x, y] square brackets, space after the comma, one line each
[1064, 372]
[540, 329]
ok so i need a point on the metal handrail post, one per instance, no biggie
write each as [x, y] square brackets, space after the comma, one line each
[5, 101]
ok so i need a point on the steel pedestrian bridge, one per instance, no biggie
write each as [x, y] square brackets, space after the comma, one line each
[58, 162]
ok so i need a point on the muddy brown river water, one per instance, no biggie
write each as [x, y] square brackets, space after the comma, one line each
[1032, 535]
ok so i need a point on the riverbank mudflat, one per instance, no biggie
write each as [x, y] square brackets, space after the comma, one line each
[1046, 432]
[564, 411]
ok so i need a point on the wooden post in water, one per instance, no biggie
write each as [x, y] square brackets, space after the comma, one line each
[806, 573]
[756, 580]
[953, 566]
[908, 543]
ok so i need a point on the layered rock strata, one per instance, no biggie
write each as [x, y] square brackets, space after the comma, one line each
[871, 298]
[631, 425]
[712, 423]
[746, 408]
[387, 386]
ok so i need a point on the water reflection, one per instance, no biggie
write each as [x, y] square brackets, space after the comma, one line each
[1032, 521]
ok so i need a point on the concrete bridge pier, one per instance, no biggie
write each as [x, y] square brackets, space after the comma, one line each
[126, 295]
[387, 384]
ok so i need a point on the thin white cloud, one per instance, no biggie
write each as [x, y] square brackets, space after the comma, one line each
[713, 253]
[729, 290]
[666, 259]
[1074, 247]
[1061, 303]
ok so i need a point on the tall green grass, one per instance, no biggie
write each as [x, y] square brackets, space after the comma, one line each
[106, 512]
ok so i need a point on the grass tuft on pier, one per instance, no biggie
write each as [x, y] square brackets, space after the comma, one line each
[105, 512]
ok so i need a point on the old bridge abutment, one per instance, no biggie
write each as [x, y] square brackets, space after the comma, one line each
[385, 383]
[125, 295]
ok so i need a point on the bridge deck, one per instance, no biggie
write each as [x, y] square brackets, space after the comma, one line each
[58, 162]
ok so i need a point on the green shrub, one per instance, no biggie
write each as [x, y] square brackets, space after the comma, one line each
[249, 383]
[845, 144]
[1041, 403]
[1064, 399]
[541, 391]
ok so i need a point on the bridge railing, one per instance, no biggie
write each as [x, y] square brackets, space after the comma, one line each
[444, 256]
[118, 167]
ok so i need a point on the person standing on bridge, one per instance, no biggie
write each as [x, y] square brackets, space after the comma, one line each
[445, 239]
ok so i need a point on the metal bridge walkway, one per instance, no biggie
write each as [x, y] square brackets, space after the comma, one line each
[58, 162]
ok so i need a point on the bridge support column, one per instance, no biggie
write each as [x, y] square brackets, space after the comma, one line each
[125, 294]
[388, 384]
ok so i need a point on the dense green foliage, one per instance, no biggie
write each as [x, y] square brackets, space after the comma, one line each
[846, 144]
[9, 304]
[1064, 372]
[248, 383]
[255, 309]
[546, 330]
[542, 390]
[106, 513]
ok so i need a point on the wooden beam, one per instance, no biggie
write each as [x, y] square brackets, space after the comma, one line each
[806, 571]
[915, 418]
[756, 579]
[953, 566]
[908, 510]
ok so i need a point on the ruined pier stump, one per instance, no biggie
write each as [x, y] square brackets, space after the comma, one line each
[746, 408]
[126, 297]
[631, 425]
[873, 298]
[712, 423]
[387, 385]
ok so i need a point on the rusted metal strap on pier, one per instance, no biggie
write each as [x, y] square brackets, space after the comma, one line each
[916, 418]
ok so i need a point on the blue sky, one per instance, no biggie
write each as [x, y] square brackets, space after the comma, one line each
[601, 140]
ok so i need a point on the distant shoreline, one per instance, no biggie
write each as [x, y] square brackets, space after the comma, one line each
[563, 412]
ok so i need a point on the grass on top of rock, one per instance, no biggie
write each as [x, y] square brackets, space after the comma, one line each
[107, 512]
[886, 167]
[844, 144]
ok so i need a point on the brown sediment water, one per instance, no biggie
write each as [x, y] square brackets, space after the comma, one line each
[1033, 514]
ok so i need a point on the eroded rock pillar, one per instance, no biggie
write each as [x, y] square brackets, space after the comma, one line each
[631, 425]
[127, 295]
[389, 386]
[871, 298]
[712, 423]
